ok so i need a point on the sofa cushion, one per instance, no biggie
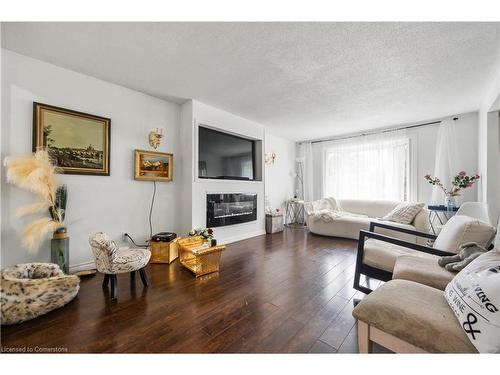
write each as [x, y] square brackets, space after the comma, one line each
[415, 313]
[461, 229]
[474, 297]
[404, 213]
[423, 270]
[383, 255]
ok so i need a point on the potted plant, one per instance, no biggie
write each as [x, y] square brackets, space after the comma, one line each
[206, 233]
[460, 182]
[37, 174]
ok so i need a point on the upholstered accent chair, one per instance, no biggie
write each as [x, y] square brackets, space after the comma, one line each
[111, 260]
[380, 256]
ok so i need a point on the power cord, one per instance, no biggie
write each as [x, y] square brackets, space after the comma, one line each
[146, 245]
[151, 211]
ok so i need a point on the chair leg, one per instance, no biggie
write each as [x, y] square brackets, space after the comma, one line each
[105, 281]
[114, 282]
[364, 344]
[132, 277]
[144, 277]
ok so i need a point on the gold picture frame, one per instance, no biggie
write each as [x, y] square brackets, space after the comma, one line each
[77, 142]
[153, 166]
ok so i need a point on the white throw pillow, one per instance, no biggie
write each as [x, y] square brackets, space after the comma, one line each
[474, 297]
[404, 213]
[461, 229]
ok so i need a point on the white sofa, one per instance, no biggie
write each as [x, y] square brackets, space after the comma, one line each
[349, 226]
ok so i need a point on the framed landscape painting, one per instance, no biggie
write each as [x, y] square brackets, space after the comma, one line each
[153, 166]
[78, 143]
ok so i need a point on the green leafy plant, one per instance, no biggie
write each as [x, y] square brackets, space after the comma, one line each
[206, 233]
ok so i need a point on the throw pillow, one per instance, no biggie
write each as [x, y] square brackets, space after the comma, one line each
[404, 213]
[474, 297]
[461, 229]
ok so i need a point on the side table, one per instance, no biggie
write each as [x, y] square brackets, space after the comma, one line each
[164, 252]
[438, 216]
[294, 212]
[196, 254]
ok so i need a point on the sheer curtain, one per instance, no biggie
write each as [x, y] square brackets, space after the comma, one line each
[447, 158]
[368, 167]
[304, 166]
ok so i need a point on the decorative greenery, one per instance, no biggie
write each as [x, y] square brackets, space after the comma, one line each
[460, 182]
[58, 211]
[36, 174]
[206, 233]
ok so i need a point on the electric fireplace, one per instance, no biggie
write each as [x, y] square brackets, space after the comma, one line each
[233, 208]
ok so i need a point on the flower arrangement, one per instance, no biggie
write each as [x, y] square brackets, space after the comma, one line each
[460, 182]
[206, 233]
[36, 174]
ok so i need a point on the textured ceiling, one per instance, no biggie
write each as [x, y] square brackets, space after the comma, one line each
[302, 80]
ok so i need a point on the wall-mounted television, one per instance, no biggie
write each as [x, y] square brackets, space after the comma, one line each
[225, 156]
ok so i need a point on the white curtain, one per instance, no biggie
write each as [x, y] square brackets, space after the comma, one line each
[304, 165]
[447, 158]
[368, 167]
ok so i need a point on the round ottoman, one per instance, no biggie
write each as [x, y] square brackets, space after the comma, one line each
[33, 289]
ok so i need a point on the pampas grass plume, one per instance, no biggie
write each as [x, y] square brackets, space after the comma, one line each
[33, 234]
[36, 174]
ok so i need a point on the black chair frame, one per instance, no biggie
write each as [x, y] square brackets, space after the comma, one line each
[376, 273]
[114, 281]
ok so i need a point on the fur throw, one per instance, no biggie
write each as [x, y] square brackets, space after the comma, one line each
[468, 252]
[33, 289]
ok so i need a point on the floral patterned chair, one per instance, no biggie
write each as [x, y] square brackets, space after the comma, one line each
[111, 260]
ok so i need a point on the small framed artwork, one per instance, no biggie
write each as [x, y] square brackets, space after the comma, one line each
[153, 166]
[77, 142]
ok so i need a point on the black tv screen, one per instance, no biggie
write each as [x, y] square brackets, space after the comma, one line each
[225, 156]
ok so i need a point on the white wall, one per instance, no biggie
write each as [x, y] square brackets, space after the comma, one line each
[424, 140]
[489, 144]
[194, 114]
[279, 176]
[115, 203]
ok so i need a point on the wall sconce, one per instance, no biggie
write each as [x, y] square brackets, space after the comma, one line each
[155, 137]
[269, 159]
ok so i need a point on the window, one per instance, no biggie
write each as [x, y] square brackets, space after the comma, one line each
[368, 168]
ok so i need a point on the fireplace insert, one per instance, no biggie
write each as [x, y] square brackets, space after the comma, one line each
[232, 208]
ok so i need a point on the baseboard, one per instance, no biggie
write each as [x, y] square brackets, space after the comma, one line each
[244, 236]
[90, 265]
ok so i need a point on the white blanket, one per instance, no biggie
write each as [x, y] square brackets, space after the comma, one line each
[328, 215]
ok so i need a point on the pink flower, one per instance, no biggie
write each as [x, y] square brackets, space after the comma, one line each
[462, 173]
[477, 177]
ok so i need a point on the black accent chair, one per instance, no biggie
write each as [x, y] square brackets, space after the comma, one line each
[372, 272]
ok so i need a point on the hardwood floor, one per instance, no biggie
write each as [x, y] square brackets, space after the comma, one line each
[289, 292]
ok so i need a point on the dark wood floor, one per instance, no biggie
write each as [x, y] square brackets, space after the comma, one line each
[289, 292]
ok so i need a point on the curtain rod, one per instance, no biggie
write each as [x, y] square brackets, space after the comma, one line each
[380, 132]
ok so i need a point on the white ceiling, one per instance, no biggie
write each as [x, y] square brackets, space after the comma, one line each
[301, 80]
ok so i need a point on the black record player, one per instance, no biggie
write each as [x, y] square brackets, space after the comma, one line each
[163, 237]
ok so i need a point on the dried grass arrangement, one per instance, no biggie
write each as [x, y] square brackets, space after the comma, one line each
[36, 174]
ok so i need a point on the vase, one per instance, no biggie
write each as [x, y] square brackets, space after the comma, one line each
[59, 249]
[449, 202]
